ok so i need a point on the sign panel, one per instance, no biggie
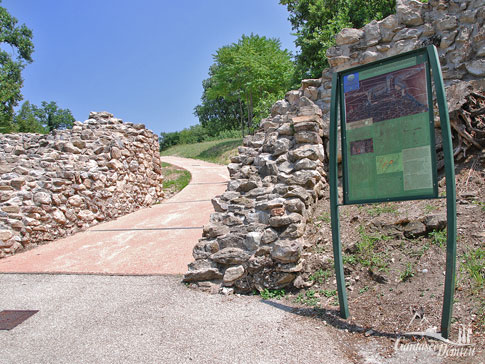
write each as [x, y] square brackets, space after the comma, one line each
[388, 148]
[388, 132]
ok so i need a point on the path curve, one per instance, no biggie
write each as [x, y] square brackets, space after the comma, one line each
[155, 240]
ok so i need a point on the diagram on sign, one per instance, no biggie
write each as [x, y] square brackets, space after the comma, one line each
[388, 96]
[387, 129]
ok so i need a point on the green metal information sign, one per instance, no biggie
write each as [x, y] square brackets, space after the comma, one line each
[388, 148]
[387, 131]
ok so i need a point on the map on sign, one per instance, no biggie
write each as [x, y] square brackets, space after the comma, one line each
[388, 136]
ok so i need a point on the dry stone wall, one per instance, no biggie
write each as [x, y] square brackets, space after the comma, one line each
[254, 238]
[54, 185]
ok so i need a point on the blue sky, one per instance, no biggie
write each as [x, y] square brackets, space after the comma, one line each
[143, 61]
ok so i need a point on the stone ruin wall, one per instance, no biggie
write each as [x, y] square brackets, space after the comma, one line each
[57, 184]
[254, 237]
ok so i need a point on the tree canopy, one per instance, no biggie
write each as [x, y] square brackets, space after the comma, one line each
[247, 77]
[18, 39]
[217, 114]
[316, 22]
[34, 119]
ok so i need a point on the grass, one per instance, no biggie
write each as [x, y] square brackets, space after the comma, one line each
[174, 180]
[216, 151]
[366, 250]
[408, 272]
[321, 275]
[376, 210]
[479, 203]
[473, 264]
[267, 294]
[438, 237]
[308, 298]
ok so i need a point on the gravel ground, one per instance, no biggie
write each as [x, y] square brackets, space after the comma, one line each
[152, 319]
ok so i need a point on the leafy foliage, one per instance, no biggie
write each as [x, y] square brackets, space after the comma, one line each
[33, 119]
[218, 114]
[53, 117]
[19, 40]
[25, 120]
[316, 22]
[249, 76]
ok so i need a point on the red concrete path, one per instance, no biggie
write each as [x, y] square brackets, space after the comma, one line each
[156, 240]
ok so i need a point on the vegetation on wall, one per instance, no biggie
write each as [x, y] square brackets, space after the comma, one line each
[29, 118]
[18, 39]
[316, 22]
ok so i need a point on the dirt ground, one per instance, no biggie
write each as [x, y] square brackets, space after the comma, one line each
[394, 267]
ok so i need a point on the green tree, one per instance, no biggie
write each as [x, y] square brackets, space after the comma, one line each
[316, 22]
[218, 114]
[25, 120]
[253, 70]
[53, 117]
[17, 39]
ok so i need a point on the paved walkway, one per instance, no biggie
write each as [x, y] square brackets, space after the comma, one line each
[156, 240]
[92, 319]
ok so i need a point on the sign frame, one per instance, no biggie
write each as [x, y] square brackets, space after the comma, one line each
[430, 57]
[388, 67]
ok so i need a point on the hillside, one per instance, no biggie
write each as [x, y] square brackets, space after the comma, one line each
[216, 151]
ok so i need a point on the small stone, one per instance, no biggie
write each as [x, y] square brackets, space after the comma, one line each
[59, 217]
[349, 36]
[233, 273]
[286, 251]
[5, 235]
[76, 200]
[476, 67]
[42, 198]
[230, 256]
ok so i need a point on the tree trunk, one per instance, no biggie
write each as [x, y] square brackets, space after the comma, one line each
[241, 115]
[249, 100]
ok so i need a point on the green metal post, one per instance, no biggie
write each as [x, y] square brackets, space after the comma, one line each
[333, 175]
[450, 193]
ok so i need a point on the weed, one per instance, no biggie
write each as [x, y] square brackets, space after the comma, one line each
[365, 248]
[308, 298]
[319, 248]
[349, 259]
[419, 253]
[408, 272]
[438, 237]
[429, 208]
[364, 289]
[474, 265]
[377, 210]
[321, 275]
[479, 203]
[325, 217]
[267, 294]
[329, 292]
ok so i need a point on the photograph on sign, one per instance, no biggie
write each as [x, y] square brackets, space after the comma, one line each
[389, 146]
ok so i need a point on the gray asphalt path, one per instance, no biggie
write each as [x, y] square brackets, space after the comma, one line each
[151, 319]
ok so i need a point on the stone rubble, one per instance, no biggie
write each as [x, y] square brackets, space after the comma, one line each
[57, 184]
[254, 237]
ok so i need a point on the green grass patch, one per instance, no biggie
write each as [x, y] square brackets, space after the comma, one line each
[438, 237]
[408, 272]
[473, 264]
[216, 151]
[174, 179]
[321, 275]
[376, 210]
[366, 250]
[267, 294]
